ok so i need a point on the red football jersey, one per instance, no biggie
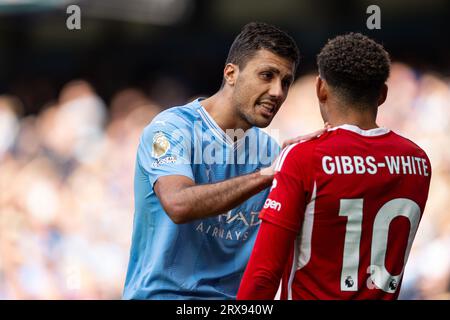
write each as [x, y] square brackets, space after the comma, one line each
[355, 197]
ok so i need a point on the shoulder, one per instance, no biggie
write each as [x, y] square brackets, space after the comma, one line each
[300, 154]
[175, 118]
[178, 115]
[408, 144]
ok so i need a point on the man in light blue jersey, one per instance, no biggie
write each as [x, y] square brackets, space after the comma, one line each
[202, 176]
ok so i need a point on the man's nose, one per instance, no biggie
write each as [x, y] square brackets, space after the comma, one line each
[276, 89]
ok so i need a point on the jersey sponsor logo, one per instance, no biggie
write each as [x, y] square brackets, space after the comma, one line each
[160, 145]
[218, 231]
[362, 165]
[230, 226]
[241, 217]
[272, 204]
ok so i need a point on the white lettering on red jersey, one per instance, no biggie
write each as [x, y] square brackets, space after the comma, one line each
[356, 198]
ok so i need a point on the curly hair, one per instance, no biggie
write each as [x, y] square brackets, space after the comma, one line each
[258, 35]
[355, 66]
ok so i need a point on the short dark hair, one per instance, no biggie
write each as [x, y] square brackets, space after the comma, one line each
[258, 35]
[355, 66]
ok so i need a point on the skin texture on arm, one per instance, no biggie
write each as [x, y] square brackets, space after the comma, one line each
[185, 201]
[181, 197]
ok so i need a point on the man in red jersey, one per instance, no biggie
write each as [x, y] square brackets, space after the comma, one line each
[344, 208]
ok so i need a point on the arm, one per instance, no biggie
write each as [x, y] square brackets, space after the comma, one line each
[181, 197]
[282, 217]
[267, 263]
[184, 201]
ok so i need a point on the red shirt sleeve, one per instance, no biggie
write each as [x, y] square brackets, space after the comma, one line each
[286, 202]
[267, 263]
[281, 217]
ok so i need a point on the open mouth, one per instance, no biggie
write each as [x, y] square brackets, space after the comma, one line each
[267, 108]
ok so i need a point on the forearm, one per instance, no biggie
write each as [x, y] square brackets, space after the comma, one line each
[202, 201]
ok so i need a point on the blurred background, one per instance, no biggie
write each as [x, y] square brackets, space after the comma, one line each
[74, 102]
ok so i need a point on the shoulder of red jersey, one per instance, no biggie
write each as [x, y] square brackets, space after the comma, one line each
[297, 152]
[409, 143]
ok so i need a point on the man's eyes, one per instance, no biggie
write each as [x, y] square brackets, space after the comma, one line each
[266, 75]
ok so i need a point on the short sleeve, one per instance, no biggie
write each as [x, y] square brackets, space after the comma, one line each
[286, 202]
[165, 148]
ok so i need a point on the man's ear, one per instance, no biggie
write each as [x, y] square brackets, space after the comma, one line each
[321, 89]
[383, 95]
[230, 73]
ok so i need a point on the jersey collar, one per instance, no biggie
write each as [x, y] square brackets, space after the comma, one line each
[216, 129]
[367, 133]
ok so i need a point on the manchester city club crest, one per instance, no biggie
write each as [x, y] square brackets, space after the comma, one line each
[160, 145]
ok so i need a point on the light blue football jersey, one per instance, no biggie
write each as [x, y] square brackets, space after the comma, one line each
[206, 258]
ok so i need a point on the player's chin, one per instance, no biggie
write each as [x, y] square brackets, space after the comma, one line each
[261, 121]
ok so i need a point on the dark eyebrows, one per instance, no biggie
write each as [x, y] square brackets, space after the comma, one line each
[288, 77]
[269, 68]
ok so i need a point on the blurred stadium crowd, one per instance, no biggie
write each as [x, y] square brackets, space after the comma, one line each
[66, 181]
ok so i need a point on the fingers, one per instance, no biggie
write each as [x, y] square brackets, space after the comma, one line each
[268, 171]
[288, 142]
[306, 136]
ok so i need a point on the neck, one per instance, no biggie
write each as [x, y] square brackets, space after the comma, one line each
[363, 119]
[220, 108]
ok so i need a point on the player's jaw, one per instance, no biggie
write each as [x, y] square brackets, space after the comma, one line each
[266, 108]
[258, 110]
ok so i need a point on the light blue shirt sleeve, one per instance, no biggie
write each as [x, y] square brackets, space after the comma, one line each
[165, 148]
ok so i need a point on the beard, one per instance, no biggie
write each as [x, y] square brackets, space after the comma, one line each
[249, 113]
[247, 108]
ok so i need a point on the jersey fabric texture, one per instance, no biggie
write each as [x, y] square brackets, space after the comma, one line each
[203, 259]
[343, 211]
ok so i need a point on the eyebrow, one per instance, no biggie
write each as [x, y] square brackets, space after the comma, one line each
[277, 71]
